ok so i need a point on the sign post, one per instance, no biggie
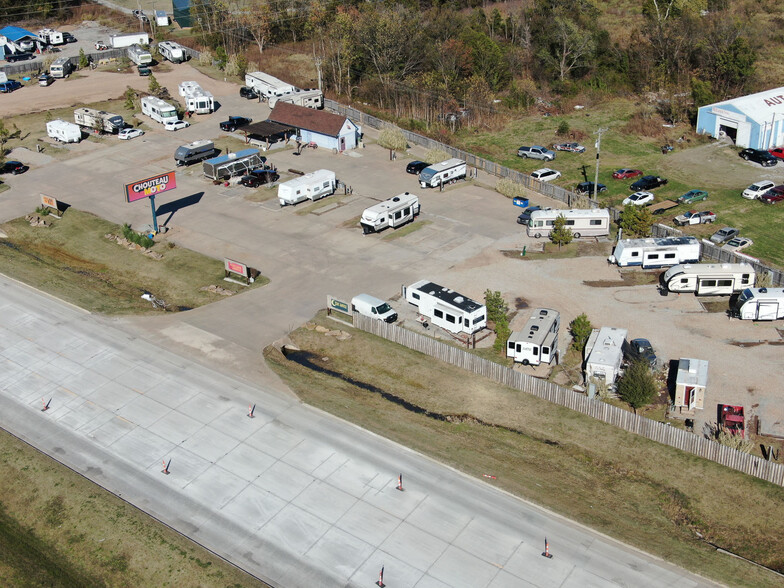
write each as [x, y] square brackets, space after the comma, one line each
[148, 188]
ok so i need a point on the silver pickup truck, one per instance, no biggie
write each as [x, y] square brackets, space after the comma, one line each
[536, 152]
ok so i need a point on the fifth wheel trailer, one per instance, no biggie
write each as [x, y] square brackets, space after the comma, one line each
[197, 99]
[172, 51]
[98, 120]
[656, 252]
[312, 186]
[394, 212]
[760, 304]
[709, 279]
[266, 85]
[538, 341]
[446, 308]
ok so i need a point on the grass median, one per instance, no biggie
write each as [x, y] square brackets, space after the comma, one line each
[654, 497]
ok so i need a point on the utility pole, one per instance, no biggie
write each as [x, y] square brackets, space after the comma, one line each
[598, 145]
[318, 69]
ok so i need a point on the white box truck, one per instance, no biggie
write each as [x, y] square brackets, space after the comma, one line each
[98, 120]
[760, 304]
[266, 85]
[442, 173]
[312, 186]
[128, 39]
[63, 131]
[394, 213]
[370, 306]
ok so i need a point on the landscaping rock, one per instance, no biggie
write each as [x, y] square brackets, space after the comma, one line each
[320, 329]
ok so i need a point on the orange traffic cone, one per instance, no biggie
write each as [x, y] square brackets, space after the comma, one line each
[400, 482]
[546, 552]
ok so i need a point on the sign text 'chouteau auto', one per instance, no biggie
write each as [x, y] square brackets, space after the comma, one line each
[150, 186]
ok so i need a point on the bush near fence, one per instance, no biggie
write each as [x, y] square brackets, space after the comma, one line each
[633, 423]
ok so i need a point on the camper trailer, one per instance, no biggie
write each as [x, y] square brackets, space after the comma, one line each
[63, 131]
[394, 213]
[138, 55]
[61, 67]
[760, 304]
[98, 120]
[172, 51]
[158, 110]
[709, 279]
[194, 152]
[312, 186]
[197, 99]
[604, 354]
[446, 308]
[267, 86]
[230, 165]
[445, 172]
[126, 40]
[583, 223]
[656, 252]
[51, 37]
[306, 98]
[538, 341]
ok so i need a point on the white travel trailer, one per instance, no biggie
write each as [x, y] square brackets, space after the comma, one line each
[61, 67]
[538, 341]
[709, 279]
[306, 98]
[266, 85]
[656, 252]
[126, 40]
[66, 132]
[51, 37]
[604, 354]
[172, 51]
[594, 222]
[139, 55]
[760, 304]
[158, 110]
[312, 186]
[197, 99]
[445, 172]
[446, 308]
[98, 120]
[394, 213]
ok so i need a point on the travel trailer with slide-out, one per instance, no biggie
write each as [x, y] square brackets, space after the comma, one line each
[266, 85]
[394, 213]
[656, 252]
[760, 304]
[538, 341]
[312, 186]
[306, 98]
[442, 173]
[158, 110]
[98, 120]
[709, 279]
[583, 223]
[139, 55]
[197, 99]
[194, 152]
[446, 308]
[63, 131]
[172, 51]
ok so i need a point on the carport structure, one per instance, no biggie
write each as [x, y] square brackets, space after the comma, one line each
[267, 132]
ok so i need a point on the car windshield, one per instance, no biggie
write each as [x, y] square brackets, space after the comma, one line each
[383, 308]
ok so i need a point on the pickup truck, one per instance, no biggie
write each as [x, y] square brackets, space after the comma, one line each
[234, 123]
[536, 152]
[694, 218]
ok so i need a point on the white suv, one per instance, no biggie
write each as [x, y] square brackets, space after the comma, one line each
[545, 174]
[757, 189]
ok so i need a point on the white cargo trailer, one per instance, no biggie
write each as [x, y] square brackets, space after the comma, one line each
[161, 18]
[709, 279]
[197, 99]
[538, 341]
[446, 308]
[98, 120]
[593, 222]
[139, 55]
[266, 85]
[172, 51]
[393, 212]
[760, 304]
[158, 110]
[307, 98]
[442, 173]
[66, 132]
[604, 354]
[128, 39]
[312, 186]
[656, 252]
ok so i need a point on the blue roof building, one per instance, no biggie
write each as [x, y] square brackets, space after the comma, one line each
[16, 34]
[755, 121]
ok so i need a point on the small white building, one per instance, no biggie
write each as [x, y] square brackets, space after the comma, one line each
[690, 383]
[604, 355]
[755, 121]
[327, 130]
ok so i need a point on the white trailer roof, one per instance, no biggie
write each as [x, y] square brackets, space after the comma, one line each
[608, 347]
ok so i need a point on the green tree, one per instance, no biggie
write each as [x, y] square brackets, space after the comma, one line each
[636, 221]
[83, 60]
[580, 328]
[637, 388]
[561, 234]
[735, 65]
[497, 310]
[701, 93]
[130, 99]
[487, 59]
[154, 86]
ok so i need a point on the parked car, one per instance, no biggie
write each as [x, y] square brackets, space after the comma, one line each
[9, 86]
[778, 152]
[415, 167]
[13, 167]
[764, 158]
[694, 217]
[738, 243]
[144, 71]
[126, 134]
[140, 15]
[23, 56]
[234, 123]
[176, 125]
[648, 183]
[545, 174]
[571, 147]
[775, 194]
[587, 188]
[536, 152]
[693, 196]
[724, 235]
[757, 189]
[69, 38]
[638, 199]
[637, 349]
[101, 46]
[249, 93]
[525, 216]
[45, 79]
[259, 177]
[626, 173]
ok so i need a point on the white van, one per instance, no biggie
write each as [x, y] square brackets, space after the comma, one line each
[368, 305]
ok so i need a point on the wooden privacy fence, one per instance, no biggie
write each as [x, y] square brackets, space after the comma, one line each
[654, 430]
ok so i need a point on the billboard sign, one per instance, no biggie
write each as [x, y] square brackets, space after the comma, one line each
[49, 201]
[339, 305]
[235, 267]
[150, 187]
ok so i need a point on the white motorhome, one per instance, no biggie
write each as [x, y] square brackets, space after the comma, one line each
[760, 304]
[61, 67]
[266, 85]
[306, 98]
[51, 37]
[656, 252]
[98, 120]
[172, 51]
[128, 39]
[445, 172]
[158, 110]
[446, 308]
[66, 132]
[230, 165]
[370, 306]
[197, 99]
[139, 55]
[593, 222]
[393, 212]
[538, 341]
[709, 279]
[312, 186]
[604, 354]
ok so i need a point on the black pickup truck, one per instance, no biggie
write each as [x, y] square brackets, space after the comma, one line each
[234, 123]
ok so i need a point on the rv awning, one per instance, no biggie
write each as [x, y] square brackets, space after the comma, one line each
[267, 129]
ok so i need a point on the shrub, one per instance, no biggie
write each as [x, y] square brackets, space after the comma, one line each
[580, 328]
[436, 155]
[83, 60]
[392, 138]
[134, 237]
[509, 188]
[561, 234]
[496, 312]
[563, 128]
[637, 388]
[206, 57]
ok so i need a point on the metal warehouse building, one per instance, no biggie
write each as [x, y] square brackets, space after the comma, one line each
[755, 121]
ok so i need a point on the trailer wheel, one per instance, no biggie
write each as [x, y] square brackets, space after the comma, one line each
[526, 362]
[538, 235]
[577, 235]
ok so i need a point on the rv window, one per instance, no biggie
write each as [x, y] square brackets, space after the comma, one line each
[535, 349]
[407, 211]
[466, 322]
[450, 318]
[510, 344]
[545, 351]
[596, 222]
[570, 222]
[398, 214]
[653, 256]
[438, 314]
[669, 256]
[550, 223]
[705, 283]
[326, 185]
[684, 280]
[414, 295]
[479, 319]
[373, 310]
[724, 283]
[746, 279]
[635, 253]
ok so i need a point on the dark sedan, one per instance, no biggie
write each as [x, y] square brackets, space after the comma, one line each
[587, 188]
[647, 183]
[415, 167]
[525, 216]
[764, 158]
[13, 167]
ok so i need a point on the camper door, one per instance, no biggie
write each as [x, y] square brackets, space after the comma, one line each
[767, 310]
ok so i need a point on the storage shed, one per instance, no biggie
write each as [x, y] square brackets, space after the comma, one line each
[604, 355]
[690, 383]
[755, 121]
[325, 129]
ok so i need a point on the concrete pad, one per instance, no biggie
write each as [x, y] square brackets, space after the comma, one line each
[333, 463]
[354, 477]
[141, 378]
[308, 455]
[275, 439]
[84, 382]
[171, 393]
[143, 411]
[175, 427]
[396, 572]
[340, 553]
[294, 530]
[209, 444]
[368, 523]
[284, 481]
[489, 540]
[506, 580]
[253, 507]
[246, 462]
[96, 415]
[29, 354]
[580, 578]
[112, 395]
[414, 546]
[185, 467]
[236, 424]
[10, 371]
[72, 418]
[393, 501]
[527, 562]
[444, 520]
[203, 408]
[79, 350]
[141, 447]
[458, 568]
[109, 363]
[58, 369]
[429, 581]
[8, 339]
[107, 433]
[30, 386]
[325, 501]
[215, 487]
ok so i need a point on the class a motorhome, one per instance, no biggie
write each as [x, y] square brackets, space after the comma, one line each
[656, 252]
[372, 307]
[126, 40]
[760, 304]
[98, 120]
[594, 222]
[709, 279]
[307, 98]
[158, 110]
[604, 354]
[312, 186]
[446, 308]
[231, 165]
[445, 172]
[172, 51]
[194, 152]
[538, 341]
[266, 85]
[139, 55]
[394, 212]
[63, 131]
[61, 67]
[197, 99]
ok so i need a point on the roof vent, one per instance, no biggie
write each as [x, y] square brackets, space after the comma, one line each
[459, 299]
[396, 199]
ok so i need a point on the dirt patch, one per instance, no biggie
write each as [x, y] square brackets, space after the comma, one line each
[628, 278]
[713, 305]
[520, 303]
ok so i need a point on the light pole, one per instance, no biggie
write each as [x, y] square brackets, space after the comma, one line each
[598, 146]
